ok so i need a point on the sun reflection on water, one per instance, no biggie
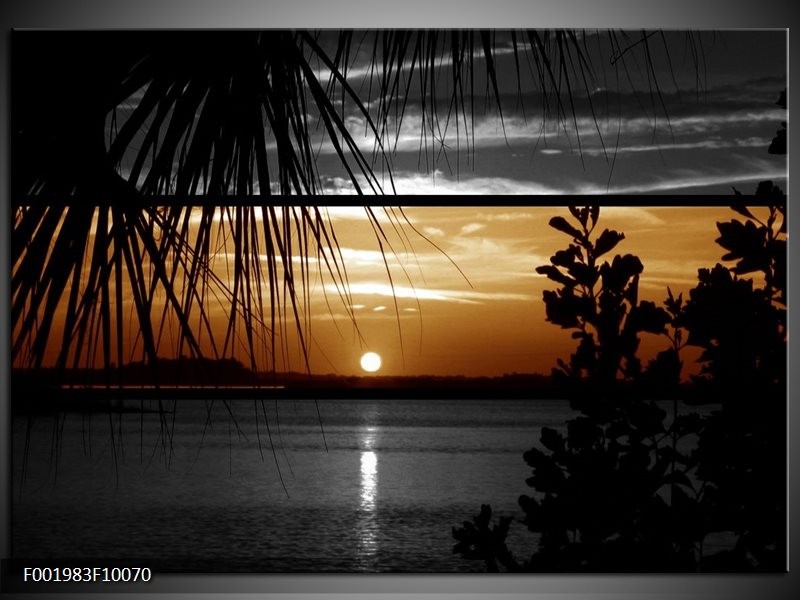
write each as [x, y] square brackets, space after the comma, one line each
[367, 513]
[369, 480]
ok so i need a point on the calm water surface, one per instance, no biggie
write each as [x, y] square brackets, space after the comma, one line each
[363, 486]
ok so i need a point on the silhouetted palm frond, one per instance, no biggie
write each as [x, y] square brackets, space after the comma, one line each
[108, 126]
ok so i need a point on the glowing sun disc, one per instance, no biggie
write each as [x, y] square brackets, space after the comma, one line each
[371, 362]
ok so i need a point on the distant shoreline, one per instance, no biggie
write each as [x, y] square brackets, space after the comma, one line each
[90, 390]
[111, 399]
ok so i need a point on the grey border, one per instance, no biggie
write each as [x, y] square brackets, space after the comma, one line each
[674, 14]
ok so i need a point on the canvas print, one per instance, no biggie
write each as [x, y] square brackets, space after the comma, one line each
[399, 300]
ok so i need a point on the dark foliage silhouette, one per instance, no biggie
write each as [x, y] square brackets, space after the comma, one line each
[600, 302]
[778, 144]
[614, 493]
[737, 315]
[619, 490]
[741, 326]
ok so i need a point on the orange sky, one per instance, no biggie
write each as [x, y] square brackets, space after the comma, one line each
[498, 324]
[487, 319]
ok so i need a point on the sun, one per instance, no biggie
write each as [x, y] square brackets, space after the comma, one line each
[371, 362]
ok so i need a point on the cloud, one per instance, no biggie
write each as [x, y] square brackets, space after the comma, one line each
[679, 183]
[360, 213]
[433, 231]
[420, 293]
[507, 216]
[353, 257]
[471, 228]
[632, 215]
[413, 134]
[422, 184]
[439, 183]
[709, 144]
[367, 69]
[480, 246]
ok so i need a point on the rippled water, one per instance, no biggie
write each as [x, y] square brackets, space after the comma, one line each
[363, 486]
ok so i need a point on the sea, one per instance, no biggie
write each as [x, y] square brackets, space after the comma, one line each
[274, 485]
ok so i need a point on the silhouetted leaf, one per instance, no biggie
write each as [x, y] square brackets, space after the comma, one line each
[678, 478]
[552, 440]
[663, 372]
[618, 429]
[547, 477]
[673, 304]
[583, 433]
[607, 241]
[561, 224]
[594, 213]
[778, 143]
[747, 244]
[687, 423]
[585, 354]
[650, 318]
[563, 308]
[583, 274]
[647, 417]
[555, 274]
[566, 258]
[617, 274]
[769, 193]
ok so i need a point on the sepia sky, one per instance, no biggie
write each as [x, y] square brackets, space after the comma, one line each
[435, 290]
[485, 317]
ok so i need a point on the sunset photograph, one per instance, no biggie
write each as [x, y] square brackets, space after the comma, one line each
[404, 301]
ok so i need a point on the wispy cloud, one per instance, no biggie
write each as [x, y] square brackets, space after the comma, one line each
[490, 131]
[471, 228]
[412, 183]
[632, 215]
[710, 144]
[439, 295]
[668, 180]
[366, 69]
[679, 183]
[433, 231]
